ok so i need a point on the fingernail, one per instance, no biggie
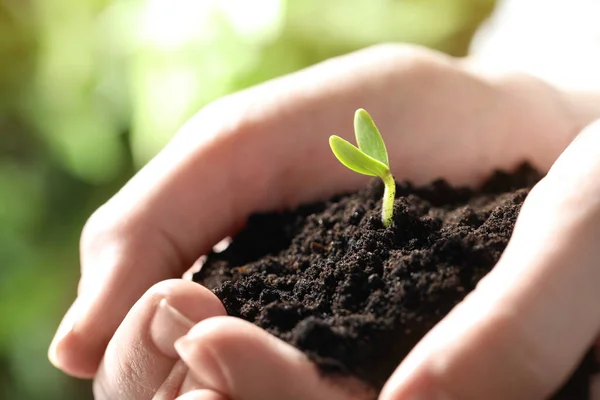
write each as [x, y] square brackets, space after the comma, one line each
[167, 326]
[65, 327]
[183, 347]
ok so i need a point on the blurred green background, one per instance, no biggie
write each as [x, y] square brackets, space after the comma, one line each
[90, 90]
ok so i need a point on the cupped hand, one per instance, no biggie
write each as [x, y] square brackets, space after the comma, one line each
[250, 152]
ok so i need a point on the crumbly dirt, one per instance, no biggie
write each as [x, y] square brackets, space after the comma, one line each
[356, 297]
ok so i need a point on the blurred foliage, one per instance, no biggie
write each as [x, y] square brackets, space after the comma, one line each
[90, 90]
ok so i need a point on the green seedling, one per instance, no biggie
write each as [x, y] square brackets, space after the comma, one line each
[369, 158]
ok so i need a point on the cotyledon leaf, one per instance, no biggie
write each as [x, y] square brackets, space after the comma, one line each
[368, 138]
[356, 160]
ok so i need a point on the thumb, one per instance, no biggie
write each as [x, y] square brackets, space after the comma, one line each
[530, 321]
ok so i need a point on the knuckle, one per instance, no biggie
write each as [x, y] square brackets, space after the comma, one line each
[116, 236]
[108, 239]
[98, 228]
[109, 228]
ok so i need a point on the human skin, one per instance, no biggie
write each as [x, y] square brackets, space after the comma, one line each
[518, 335]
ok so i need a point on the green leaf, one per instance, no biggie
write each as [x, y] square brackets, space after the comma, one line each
[355, 159]
[368, 137]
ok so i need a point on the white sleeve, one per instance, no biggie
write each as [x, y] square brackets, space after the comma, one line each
[555, 40]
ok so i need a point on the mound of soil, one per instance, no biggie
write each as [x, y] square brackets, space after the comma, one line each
[356, 297]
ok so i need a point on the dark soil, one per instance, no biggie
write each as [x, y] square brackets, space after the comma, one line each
[356, 297]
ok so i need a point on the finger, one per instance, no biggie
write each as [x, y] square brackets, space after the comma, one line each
[172, 384]
[528, 324]
[190, 384]
[202, 395]
[235, 158]
[140, 357]
[243, 362]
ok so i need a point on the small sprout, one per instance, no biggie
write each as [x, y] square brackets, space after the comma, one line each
[369, 158]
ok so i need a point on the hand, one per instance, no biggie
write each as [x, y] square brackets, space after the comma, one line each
[530, 321]
[438, 118]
